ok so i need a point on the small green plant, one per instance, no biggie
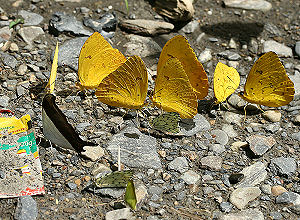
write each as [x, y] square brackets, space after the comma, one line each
[127, 8]
[15, 22]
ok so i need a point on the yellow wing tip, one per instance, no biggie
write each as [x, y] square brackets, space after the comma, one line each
[51, 83]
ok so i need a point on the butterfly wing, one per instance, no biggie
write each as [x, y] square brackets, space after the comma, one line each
[115, 179]
[173, 91]
[96, 60]
[125, 87]
[226, 81]
[267, 83]
[179, 48]
[53, 74]
[167, 122]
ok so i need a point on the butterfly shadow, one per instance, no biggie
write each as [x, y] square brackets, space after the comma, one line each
[241, 31]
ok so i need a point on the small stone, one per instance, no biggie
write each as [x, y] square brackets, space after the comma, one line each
[93, 152]
[297, 120]
[119, 214]
[30, 18]
[267, 189]
[229, 55]
[288, 198]
[190, 177]
[9, 60]
[191, 27]
[205, 56]
[242, 196]
[229, 130]
[283, 165]
[253, 175]
[272, 115]
[280, 49]
[4, 101]
[179, 164]
[232, 44]
[260, 144]
[275, 215]
[212, 162]
[26, 208]
[236, 146]
[217, 148]
[259, 5]
[28, 34]
[13, 47]
[72, 186]
[225, 207]
[220, 136]
[297, 48]
[278, 190]
[244, 215]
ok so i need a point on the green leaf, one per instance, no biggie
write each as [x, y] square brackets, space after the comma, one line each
[127, 7]
[15, 22]
[130, 197]
[117, 179]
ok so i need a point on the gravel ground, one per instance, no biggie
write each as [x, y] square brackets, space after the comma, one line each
[195, 175]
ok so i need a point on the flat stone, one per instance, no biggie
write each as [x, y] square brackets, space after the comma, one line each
[191, 27]
[272, 115]
[119, 214]
[8, 60]
[190, 127]
[229, 55]
[280, 49]
[296, 80]
[242, 196]
[5, 33]
[229, 130]
[272, 29]
[244, 215]
[4, 101]
[297, 48]
[283, 165]
[278, 190]
[236, 146]
[205, 56]
[146, 27]
[141, 46]
[260, 144]
[219, 136]
[253, 175]
[233, 118]
[179, 164]
[258, 5]
[137, 149]
[64, 23]
[30, 18]
[178, 10]
[190, 177]
[212, 162]
[26, 208]
[93, 153]
[288, 198]
[110, 192]
[29, 33]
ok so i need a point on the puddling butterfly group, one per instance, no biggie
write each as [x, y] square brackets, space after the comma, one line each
[180, 81]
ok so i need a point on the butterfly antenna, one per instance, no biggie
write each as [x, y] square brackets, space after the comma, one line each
[259, 107]
[119, 158]
[245, 112]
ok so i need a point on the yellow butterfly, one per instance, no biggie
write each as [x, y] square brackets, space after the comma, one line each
[51, 83]
[127, 87]
[226, 81]
[179, 48]
[97, 59]
[267, 83]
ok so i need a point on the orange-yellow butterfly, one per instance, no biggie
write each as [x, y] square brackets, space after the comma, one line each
[226, 81]
[267, 83]
[97, 59]
[127, 87]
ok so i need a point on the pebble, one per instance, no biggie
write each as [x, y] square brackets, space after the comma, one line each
[146, 27]
[217, 148]
[272, 29]
[8, 60]
[4, 101]
[72, 186]
[275, 215]
[242, 196]
[267, 189]
[26, 208]
[229, 130]
[13, 47]
[297, 120]
[236, 146]
[212, 162]
[5, 33]
[297, 48]
[225, 206]
[296, 80]
[237, 102]
[229, 55]
[141, 46]
[93, 153]
[272, 115]
[258, 5]
[288, 198]
[199, 123]
[29, 33]
[283, 165]
[119, 214]
[136, 151]
[232, 44]
[280, 49]
[64, 23]
[253, 175]
[110, 192]
[244, 215]
[205, 56]
[30, 18]
[179, 164]
[190, 177]
[219, 136]
[253, 46]
[278, 190]
[191, 27]
[260, 144]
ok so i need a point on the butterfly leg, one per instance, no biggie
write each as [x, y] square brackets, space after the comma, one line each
[259, 107]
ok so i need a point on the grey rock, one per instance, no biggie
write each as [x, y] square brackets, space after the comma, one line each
[283, 165]
[217, 148]
[253, 46]
[266, 189]
[72, 186]
[81, 126]
[296, 80]
[137, 149]
[191, 27]
[69, 52]
[4, 101]
[296, 136]
[213, 39]
[178, 186]
[29, 33]
[26, 208]
[205, 56]
[106, 23]
[110, 192]
[258, 5]
[155, 190]
[229, 55]
[119, 214]
[297, 48]
[141, 46]
[212, 162]
[64, 23]
[84, 10]
[225, 207]
[189, 127]
[280, 49]
[181, 196]
[295, 209]
[229, 130]
[272, 29]
[288, 198]
[190, 177]
[56, 175]
[276, 215]
[219, 136]
[242, 196]
[244, 215]
[179, 164]
[30, 18]
[236, 101]
[8, 60]
[5, 33]
[253, 175]
[260, 144]
[146, 27]
[274, 127]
